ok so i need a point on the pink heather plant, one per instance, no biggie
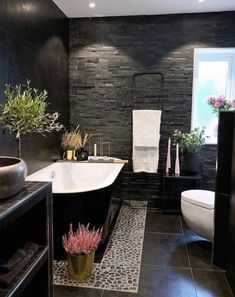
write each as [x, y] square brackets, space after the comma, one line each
[220, 104]
[83, 241]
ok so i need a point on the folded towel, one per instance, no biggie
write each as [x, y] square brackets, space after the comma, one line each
[145, 159]
[29, 249]
[147, 141]
[7, 278]
[11, 263]
[146, 126]
[146, 135]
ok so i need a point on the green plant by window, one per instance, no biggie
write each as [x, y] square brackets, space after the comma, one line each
[25, 112]
[190, 142]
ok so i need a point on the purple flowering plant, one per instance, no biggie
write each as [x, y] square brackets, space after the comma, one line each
[220, 103]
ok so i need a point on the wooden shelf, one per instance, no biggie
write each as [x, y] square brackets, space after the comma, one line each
[27, 217]
[25, 276]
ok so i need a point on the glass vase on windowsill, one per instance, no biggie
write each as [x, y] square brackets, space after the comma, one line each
[211, 131]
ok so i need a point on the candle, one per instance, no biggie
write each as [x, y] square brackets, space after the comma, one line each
[95, 150]
[168, 160]
[169, 144]
[177, 163]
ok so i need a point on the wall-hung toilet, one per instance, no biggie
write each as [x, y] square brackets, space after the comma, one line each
[198, 211]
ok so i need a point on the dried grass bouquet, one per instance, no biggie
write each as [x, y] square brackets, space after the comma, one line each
[74, 140]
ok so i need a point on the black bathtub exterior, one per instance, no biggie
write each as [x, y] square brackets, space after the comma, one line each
[95, 207]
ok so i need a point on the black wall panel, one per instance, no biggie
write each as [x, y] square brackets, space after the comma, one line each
[34, 45]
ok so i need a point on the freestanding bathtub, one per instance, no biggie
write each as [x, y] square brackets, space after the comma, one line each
[81, 193]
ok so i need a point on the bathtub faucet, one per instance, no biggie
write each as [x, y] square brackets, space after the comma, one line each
[107, 145]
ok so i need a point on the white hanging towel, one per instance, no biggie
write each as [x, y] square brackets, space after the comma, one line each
[146, 136]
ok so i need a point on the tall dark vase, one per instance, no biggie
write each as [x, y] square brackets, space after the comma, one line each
[190, 163]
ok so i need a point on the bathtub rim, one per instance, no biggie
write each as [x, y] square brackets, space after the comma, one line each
[108, 181]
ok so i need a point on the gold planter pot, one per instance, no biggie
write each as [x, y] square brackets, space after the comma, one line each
[69, 154]
[80, 267]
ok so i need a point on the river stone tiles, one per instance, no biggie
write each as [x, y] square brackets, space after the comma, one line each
[120, 267]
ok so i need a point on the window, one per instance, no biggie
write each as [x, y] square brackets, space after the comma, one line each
[214, 75]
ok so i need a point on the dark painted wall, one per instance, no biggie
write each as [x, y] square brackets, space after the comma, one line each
[106, 52]
[34, 45]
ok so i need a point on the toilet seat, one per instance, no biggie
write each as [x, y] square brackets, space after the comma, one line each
[202, 198]
[198, 211]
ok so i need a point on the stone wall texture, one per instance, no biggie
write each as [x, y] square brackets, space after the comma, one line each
[105, 53]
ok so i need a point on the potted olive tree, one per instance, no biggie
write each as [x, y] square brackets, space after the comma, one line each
[190, 145]
[25, 112]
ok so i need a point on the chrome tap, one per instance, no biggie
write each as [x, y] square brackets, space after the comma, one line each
[106, 143]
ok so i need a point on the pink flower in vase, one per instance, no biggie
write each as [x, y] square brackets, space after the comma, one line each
[211, 99]
[221, 98]
[217, 104]
[220, 103]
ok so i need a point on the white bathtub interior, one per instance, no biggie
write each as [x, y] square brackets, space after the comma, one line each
[77, 177]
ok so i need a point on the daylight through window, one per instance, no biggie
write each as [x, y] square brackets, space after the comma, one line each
[214, 75]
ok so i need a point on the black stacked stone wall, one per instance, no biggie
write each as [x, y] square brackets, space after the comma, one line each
[34, 45]
[105, 53]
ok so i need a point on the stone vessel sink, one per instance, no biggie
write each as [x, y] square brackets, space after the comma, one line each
[12, 176]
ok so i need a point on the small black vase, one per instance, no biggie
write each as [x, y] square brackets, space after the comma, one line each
[82, 154]
[190, 163]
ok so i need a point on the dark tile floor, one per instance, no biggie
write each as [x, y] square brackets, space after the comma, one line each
[175, 262]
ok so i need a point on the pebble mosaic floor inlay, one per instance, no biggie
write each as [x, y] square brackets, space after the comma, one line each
[120, 266]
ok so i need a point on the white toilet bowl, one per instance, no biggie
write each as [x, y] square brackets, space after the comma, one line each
[198, 211]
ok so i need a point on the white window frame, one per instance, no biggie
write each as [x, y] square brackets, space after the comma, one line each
[213, 54]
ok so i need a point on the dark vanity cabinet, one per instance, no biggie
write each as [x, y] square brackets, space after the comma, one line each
[224, 236]
[27, 218]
